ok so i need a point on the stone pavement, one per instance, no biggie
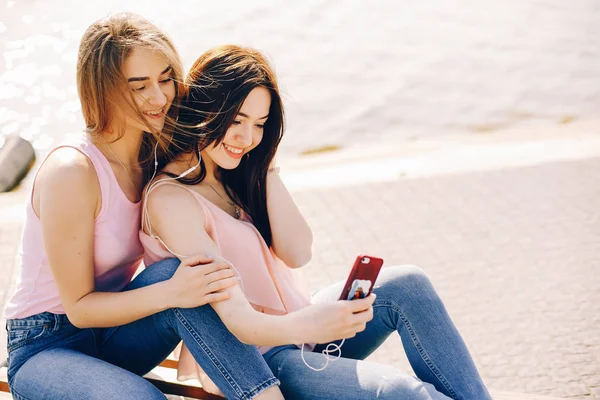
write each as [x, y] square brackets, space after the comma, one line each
[514, 254]
[513, 251]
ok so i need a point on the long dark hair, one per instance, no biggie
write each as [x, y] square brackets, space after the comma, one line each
[217, 85]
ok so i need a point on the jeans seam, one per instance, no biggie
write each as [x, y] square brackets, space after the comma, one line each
[260, 388]
[210, 354]
[424, 356]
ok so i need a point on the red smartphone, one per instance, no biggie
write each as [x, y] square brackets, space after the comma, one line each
[362, 278]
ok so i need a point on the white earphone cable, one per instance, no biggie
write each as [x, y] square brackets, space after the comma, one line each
[330, 349]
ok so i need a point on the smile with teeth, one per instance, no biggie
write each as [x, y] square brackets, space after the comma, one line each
[233, 150]
[155, 113]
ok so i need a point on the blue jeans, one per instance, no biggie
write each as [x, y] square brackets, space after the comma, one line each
[49, 358]
[408, 304]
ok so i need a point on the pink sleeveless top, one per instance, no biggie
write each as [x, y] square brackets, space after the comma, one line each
[267, 282]
[117, 249]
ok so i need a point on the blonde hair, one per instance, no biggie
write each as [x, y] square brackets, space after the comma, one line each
[104, 47]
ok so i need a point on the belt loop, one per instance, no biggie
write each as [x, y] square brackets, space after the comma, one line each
[56, 322]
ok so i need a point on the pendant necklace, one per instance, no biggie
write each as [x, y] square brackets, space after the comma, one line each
[237, 213]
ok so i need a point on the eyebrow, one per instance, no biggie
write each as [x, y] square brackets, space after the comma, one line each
[247, 116]
[145, 78]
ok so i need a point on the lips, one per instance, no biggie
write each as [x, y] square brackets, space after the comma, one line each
[155, 114]
[233, 152]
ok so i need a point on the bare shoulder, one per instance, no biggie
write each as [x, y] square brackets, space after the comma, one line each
[172, 200]
[67, 164]
[69, 175]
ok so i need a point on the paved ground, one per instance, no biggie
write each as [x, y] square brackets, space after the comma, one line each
[513, 251]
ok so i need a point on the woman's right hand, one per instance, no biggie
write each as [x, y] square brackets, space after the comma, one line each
[326, 322]
[200, 280]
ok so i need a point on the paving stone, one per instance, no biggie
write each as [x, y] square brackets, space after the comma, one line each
[499, 248]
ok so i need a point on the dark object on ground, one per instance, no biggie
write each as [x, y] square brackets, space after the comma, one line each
[16, 158]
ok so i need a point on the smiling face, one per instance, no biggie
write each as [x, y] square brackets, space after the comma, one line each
[149, 78]
[246, 131]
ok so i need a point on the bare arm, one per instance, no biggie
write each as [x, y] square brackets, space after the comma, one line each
[67, 199]
[179, 221]
[292, 237]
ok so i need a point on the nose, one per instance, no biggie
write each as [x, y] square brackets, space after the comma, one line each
[157, 98]
[244, 135]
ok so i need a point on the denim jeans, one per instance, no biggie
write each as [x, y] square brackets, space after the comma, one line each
[49, 358]
[408, 304]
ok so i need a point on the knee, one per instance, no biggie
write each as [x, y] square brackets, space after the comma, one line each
[159, 271]
[405, 279]
[405, 284]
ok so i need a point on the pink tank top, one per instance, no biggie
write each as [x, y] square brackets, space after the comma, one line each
[117, 249]
[266, 281]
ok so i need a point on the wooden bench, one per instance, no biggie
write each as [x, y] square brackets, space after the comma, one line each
[164, 378]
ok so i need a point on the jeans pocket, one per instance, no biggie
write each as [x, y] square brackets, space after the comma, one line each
[17, 337]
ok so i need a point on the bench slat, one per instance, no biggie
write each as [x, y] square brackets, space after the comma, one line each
[169, 363]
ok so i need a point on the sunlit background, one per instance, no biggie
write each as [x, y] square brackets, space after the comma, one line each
[352, 72]
[469, 145]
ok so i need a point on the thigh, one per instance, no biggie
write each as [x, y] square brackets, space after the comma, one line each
[68, 374]
[344, 379]
[141, 345]
[41, 332]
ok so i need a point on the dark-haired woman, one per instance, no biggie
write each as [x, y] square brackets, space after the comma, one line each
[221, 195]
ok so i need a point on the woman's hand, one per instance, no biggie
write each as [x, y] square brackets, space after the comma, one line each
[324, 323]
[200, 280]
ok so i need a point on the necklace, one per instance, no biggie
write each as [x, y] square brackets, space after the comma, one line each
[236, 212]
[119, 161]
